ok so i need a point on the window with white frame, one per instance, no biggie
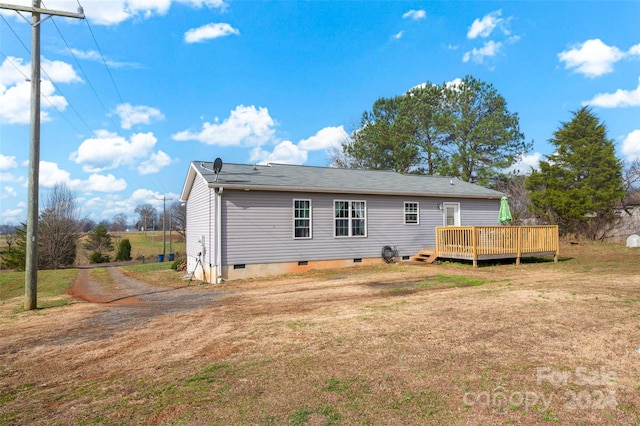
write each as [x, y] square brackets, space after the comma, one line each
[411, 213]
[302, 218]
[350, 218]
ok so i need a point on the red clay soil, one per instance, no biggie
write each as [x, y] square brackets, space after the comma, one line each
[90, 291]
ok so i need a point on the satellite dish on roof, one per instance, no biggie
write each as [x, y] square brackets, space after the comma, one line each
[217, 166]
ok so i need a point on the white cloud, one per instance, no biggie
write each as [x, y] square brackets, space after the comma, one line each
[453, 84]
[398, 35]
[108, 151]
[11, 215]
[526, 163]
[131, 115]
[634, 50]
[592, 58]
[59, 72]
[416, 15]
[245, 126]
[620, 98]
[95, 56]
[284, 153]
[113, 12]
[208, 32]
[6, 177]
[490, 49]
[108, 205]
[631, 146]
[51, 174]
[7, 162]
[101, 183]
[485, 26]
[15, 91]
[155, 163]
[329, 137]
[8, 192]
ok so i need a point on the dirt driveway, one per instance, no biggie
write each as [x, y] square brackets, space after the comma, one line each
[443, 344]
[132, 303]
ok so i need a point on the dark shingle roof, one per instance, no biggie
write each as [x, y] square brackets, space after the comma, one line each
[292, 178]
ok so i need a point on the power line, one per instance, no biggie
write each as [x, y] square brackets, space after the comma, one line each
[15, 34]
[106, 66]
[8, 58]
[157, 183]
[93, 89]
[31, 267]
[56, 87]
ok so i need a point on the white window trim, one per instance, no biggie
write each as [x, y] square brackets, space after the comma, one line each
[444, 214]
[350, 219]
[404, 213]
[293, 214]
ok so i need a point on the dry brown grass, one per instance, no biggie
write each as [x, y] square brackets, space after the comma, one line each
[395, 344]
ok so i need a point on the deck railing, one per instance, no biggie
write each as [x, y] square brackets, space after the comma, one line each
[496, 242]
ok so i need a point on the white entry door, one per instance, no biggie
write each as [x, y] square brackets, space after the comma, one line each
[451, 213]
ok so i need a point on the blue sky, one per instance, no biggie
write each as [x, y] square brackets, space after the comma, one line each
[285, 81]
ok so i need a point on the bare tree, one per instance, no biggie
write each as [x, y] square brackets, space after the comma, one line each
[119, 223]
[519, 203]
[178, 218]
[7, 228]
[86, 225]
[148, 215]
[58, 229]
[9, 232]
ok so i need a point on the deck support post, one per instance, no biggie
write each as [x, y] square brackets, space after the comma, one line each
[519, 245]
[474, 245]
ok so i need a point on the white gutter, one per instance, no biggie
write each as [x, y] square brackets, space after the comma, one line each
[218, 235]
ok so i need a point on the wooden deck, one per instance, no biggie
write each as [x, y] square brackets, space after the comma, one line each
[496, 242]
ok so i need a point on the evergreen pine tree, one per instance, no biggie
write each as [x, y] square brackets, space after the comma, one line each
[580, 183]
[124, 250]
[99, 244]
[15, 257]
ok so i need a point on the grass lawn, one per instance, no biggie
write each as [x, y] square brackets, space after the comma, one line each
[540, 343]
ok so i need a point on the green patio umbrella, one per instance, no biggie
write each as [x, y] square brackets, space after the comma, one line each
[505, 213]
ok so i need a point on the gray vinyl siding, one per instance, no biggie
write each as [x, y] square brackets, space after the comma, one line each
[258, 226]
[479, 212]
[200, 219]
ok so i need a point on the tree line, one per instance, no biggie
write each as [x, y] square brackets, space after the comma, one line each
[464, 129]
[60, 229]
[458, 129]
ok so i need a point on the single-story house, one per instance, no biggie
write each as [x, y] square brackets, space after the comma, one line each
[256, 220]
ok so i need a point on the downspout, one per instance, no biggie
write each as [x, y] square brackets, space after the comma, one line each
[218, 236]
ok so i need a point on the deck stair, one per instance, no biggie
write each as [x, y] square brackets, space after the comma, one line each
[425, 256]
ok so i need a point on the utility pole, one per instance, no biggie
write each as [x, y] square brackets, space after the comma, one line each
[164, 232]
[31, 267]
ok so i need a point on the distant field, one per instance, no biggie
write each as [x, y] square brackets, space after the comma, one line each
[148, 243]
[151, 244]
